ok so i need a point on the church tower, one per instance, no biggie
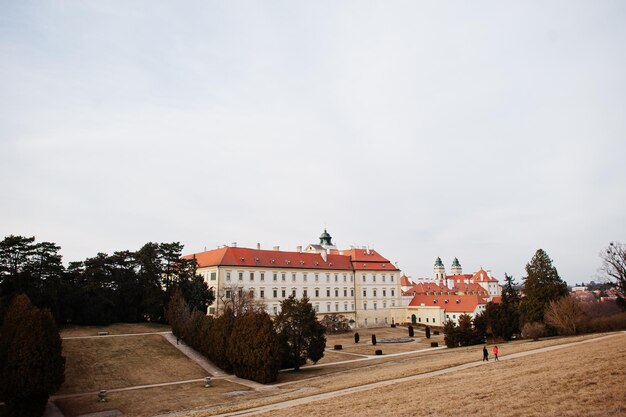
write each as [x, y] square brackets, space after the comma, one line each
[440, 270]
[456, 267]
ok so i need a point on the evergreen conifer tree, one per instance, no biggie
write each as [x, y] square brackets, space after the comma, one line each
[541, 285]
[301, 336]
[31, 364]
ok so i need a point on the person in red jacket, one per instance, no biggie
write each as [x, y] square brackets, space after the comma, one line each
[495, 353]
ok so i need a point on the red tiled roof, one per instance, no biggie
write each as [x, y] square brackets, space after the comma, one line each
[483, 276]
[430, 287]
[468, 287]
[466, 304]
[405, 281]
[362, 260]
[246, 257]
[496, 300]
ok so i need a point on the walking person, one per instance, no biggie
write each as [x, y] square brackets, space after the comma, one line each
[485, 354]
[495, 353]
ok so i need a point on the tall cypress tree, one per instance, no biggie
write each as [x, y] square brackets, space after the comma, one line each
[31, 364]
[541, 285]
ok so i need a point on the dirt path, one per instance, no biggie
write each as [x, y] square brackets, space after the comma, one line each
[375, 385]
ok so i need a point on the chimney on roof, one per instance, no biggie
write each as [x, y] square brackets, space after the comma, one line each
[234, 244]
[367, 250]
[298, 249]
[258, 246]
[276, 248]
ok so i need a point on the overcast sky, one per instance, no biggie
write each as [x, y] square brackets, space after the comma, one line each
[481, 130]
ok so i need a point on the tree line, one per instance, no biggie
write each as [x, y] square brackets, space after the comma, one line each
[246, 341]
[546, 308]
[127, 286]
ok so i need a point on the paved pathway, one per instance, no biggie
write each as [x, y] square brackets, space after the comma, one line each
[112, 335]
[375, 385]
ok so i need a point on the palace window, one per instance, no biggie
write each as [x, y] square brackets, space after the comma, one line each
[240, 276]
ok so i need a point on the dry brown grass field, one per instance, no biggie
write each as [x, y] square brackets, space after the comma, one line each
[581, 380]
[150, 359]
[117, 328]
[116, 362]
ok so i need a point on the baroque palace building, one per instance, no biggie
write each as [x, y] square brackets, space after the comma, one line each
[359, 283]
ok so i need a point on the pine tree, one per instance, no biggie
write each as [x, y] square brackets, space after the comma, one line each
[301, 335]
[541, 285]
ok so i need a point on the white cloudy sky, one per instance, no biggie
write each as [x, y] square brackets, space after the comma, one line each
[482, 130]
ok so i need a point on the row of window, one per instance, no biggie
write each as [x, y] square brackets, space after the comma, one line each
[252, 275]
[275, 276]
[375, 292]
[420, 320]
[374, 304]
[373, 278]
[305, 293]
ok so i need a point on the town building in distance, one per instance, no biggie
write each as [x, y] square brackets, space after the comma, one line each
[433, 301]
[358, 283]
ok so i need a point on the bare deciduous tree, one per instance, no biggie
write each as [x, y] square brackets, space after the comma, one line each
[564, 315]
[240, 300]
[614, 263]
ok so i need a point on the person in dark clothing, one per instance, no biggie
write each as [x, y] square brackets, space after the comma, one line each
[485, 354]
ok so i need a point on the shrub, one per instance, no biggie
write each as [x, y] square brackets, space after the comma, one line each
[374, 339]
[338, 347]
[533, 330]
[434, 344]
[379, 352]
[608, 323]
[335, 323]
[564, 315]
[393, 325]
[450, 332]
[356, 337]
[411, 331]
[428, 332]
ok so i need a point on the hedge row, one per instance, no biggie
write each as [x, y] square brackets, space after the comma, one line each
[246, 345]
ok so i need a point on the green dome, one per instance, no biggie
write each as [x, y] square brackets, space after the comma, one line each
[326, 239]
[456, 262]
[438, 262]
